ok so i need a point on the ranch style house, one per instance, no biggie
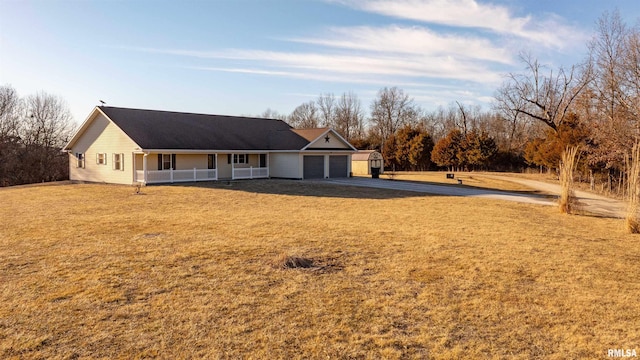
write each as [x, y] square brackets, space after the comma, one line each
[135, 146]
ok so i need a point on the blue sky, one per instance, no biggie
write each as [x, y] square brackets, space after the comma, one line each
[242, 57]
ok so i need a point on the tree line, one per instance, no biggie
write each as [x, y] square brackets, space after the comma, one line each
[33, 131]
[536, 114]
[457, 137]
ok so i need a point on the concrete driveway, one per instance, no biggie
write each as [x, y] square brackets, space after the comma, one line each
[446, 190]
[591, 203]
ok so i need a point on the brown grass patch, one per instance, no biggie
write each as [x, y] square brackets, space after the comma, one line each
[93, 271]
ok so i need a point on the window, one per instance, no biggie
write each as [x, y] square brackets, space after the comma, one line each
[211, 161]
[118, 161]
[80, 160]
[263, 160]
[166, 161]
[240, 158]
[101, 158]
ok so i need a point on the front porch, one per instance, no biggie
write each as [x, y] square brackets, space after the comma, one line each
[175, 168]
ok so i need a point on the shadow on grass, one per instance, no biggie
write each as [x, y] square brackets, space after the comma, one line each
[357, 188]
[304, 188]
[441, 189]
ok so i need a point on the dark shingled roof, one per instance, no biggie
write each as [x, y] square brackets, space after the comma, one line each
[152, 129]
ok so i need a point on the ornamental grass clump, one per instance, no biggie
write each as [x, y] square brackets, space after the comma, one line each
[568, 201]
[632, 217]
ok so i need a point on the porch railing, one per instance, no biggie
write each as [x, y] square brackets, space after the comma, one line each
[250, 173]
[171, 176]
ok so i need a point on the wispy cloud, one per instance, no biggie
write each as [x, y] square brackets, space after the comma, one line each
[340, 68]
[550, 31]
[414, 40]
[436, 41]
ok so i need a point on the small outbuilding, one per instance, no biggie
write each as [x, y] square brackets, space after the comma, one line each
[367, 162]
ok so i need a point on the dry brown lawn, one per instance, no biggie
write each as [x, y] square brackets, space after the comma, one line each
[94, 271]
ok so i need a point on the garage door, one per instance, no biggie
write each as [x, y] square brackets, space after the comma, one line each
[313, 167]
[338, 166]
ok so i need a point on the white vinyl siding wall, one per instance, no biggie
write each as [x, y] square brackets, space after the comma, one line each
[291, 165]
[334, 143]
[104, 137]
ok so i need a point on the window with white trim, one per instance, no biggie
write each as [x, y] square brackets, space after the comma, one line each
[118, 160]
[80, 160]
[240, 158]
[166, 161]
[101, 158]
[211, 161]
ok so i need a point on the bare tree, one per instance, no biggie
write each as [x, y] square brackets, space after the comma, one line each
[349, 116]
[272, 114]
[431, 121]
[305, 116]
[543, 96]
[48, 126]
[327, 109]
[391, 110]
[463, 117]
[607, 50]
[48, 123]
[615, 90]
[32, 133]
[11, 110]
[510, 106]
[631, 77]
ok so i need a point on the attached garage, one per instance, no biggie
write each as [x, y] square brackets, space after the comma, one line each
[338, 166]
[313, 166]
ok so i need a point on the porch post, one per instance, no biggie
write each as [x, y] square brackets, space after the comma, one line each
[233, 171]
[268, 164]
[135, 172]
[144, 168]
[217, 166]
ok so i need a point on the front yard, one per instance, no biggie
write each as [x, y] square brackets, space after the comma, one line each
[95, 271]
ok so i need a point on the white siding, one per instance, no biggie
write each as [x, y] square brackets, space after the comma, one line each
[334, 143]
[188, 161]
[290, 165]
[102, 136]
[285, 165]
